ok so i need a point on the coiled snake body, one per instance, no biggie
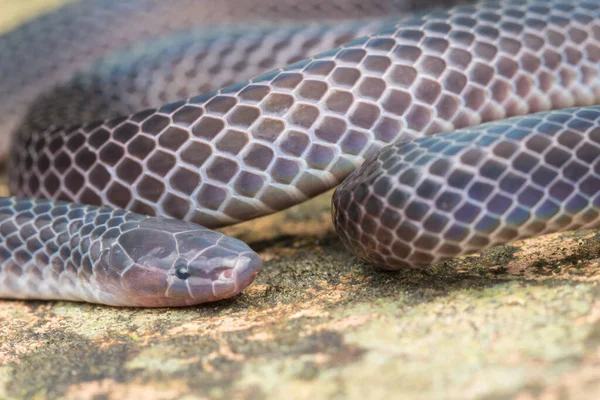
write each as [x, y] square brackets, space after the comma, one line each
[255, 147]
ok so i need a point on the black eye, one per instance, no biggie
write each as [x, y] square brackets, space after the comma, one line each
[182, 272]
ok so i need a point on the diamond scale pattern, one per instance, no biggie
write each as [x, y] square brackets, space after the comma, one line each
[209, 61]
[258, 146]
[321, 117]
[455, 193]
[75, 252]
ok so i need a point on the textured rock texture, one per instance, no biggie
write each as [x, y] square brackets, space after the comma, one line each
[519, 321]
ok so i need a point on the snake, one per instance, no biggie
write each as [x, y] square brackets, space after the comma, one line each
[138, 127]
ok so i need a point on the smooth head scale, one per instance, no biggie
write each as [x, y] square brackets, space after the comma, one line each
[164, 262]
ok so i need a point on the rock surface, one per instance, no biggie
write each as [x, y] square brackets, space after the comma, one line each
[519, 321]
[515, 321]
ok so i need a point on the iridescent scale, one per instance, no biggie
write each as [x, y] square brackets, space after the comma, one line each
[285, 136]
[337, 93]
[439, 197]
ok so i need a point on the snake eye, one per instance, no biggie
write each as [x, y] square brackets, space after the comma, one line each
[182, 272]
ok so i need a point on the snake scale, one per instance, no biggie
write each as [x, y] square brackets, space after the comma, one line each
[450, 130]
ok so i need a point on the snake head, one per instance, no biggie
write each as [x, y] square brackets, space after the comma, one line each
[163, 262]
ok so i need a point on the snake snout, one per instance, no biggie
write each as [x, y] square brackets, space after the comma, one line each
[213, 266]
[222, 274]
[243, 273]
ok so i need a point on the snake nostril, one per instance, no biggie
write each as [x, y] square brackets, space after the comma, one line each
[182, 272]
[227, 274]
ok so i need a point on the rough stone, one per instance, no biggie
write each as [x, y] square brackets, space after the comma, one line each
[519, 321]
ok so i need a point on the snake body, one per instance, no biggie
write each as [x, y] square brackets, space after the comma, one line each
[103, 255]
[435, 198]
[259, 146]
